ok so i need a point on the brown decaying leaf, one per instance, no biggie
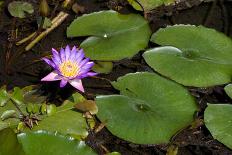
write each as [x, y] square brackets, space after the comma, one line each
[87, 106]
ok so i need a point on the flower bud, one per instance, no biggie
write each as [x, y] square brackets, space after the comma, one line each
[44, 8]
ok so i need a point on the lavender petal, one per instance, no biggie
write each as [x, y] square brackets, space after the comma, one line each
[73, 53]
[77, 83]
[88, 65]
[49, 62]
[92, 74]
[83, 62]
[53, 76]
[63, 83]
[62, 55]
[67, 52]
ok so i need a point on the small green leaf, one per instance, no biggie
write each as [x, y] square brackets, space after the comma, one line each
[18, 9]
[8, 114]
[35, 108]
[20, 127]
[10, 122]
[102, 67]
[218, 120]
[51, 109]
[29, 107]
[43, 108]
[49, 143]
[113, 36]
[77, 97]
[228, 90]
[9, 143]
[46, 24]
[17, 96]
[4, 98]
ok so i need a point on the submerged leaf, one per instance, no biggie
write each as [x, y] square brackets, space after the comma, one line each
[87, 106]
[113, 36]
[18, 9]
[103, 67]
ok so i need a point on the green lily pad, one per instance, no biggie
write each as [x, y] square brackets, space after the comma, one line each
[218, 120]
[147, 5]
[65, 121]
[18, 9]
[113, 36]
[200, 56]
[9, 143]
[150, 109]
[47, 143]
[228, 90]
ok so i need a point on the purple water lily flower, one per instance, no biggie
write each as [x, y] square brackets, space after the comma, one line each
[70, 66]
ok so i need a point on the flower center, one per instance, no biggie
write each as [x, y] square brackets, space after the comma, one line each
[69, 69]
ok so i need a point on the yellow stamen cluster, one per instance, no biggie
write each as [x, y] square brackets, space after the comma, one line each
[69, 69]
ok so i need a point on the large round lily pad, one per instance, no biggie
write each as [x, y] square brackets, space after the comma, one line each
[202, 57]
[150, 109]
[113, 36]
[47, 143]
[218, 120]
